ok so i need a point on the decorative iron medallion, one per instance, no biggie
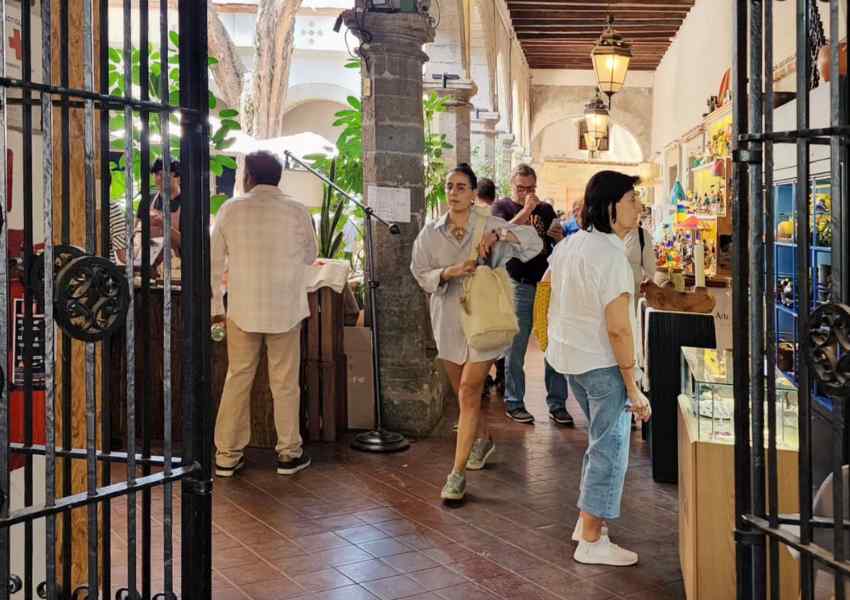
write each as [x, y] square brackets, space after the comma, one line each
[62, 255]
[91, 298]
[828, 348]
[15, 584]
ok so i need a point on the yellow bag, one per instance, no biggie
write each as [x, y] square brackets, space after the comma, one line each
[541, 314]
[488, 314]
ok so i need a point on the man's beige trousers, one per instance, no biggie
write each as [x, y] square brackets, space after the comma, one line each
[233, 425]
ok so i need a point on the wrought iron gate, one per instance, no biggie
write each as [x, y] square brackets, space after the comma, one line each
[822, 326]
[76, 301]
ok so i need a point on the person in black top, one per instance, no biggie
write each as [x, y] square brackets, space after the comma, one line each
[525, 208]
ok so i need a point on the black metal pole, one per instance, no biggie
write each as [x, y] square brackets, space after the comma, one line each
[196, 493]
[379, 439]
[740, 301]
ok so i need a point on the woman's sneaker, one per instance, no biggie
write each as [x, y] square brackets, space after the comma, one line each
[579, 527]
[455, 488]
[604, 552]
[481, 451]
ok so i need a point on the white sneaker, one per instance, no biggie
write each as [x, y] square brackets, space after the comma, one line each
[577, 531]
[604, 552]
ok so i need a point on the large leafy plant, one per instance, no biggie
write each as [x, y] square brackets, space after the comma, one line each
[220, 139]
[349, 145]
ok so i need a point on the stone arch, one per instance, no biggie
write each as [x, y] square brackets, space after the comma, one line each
[311, 92]
[314, 114]
[629, 110]
[559, 140]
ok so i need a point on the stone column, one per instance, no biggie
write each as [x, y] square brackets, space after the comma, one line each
[483, 137]
[393, 150]
[455, 123]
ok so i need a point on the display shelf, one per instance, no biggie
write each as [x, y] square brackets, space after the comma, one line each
[786, 310]
[820, 263]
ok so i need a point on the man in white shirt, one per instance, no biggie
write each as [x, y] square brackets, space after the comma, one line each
[265, 241]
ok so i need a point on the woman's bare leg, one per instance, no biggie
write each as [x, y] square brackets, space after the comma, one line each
[469, 396]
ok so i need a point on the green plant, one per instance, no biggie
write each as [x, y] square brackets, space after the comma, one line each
[349, 145]
[220, 139]
[435, 144]
[331, 221]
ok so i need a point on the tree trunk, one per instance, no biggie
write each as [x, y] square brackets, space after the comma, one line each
[229, 73]
[275, 30]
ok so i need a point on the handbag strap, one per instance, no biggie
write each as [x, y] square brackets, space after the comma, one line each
[477, 233]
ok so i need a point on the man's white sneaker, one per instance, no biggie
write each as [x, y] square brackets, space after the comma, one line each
[577, 531]
[604, 552]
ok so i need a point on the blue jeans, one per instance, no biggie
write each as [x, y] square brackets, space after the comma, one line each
[601, 394]
[556, 384]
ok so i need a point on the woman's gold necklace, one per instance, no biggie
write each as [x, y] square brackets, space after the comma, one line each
[459, 232]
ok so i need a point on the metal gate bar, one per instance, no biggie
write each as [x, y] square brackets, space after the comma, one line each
[753, 154]
[193, 468]
[4, 328]
[770, 292]
[740, 298]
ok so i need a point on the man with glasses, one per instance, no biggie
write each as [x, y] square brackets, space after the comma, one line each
[525, 208]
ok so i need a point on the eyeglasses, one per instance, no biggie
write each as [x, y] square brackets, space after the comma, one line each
[526, 188]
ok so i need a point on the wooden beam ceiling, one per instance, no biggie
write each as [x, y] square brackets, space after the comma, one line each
[559, 34]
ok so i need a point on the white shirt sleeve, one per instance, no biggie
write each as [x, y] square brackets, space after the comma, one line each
[614, 280]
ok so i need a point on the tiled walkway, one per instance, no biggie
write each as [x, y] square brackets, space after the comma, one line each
[356, 526]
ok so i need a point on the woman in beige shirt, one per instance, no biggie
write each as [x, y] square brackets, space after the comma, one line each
[440, 262]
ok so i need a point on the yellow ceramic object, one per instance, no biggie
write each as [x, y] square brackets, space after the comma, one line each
[785, 230]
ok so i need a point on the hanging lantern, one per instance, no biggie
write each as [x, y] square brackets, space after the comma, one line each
[596, 118]
[611, 57]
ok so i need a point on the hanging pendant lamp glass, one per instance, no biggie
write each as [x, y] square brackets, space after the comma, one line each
[596, 118]
[611, 57]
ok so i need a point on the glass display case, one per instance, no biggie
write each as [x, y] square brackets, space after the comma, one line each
[707, 392]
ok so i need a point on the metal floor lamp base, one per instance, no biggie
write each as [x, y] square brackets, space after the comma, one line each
[380, 441]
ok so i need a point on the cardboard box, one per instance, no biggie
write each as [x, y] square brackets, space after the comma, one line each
[361, 378]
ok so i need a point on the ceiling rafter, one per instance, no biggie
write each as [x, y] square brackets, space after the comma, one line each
[559, 34]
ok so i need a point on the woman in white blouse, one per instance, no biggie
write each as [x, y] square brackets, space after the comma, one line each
[440, 262]
[592, 340]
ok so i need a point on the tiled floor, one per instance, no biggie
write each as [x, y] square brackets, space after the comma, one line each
[356, 526]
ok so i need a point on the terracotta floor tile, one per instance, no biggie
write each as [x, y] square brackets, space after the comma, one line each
[367, 570]
[467, 591]
[411, 561]
[393, 588]
[384, 548]
[437, 578]
[320, 541]
[353, 592]
[363, 533]
[274, 589]
[322, 580]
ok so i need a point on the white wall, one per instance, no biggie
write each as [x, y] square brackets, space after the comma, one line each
[691, 70]
[585, 77]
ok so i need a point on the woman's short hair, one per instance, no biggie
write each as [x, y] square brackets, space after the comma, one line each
[603, 191]
[470, 174]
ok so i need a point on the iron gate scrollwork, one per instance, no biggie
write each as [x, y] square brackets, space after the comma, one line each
[821, 319]
[73, 303]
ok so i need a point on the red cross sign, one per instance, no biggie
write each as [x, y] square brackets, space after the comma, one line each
[16, 44]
